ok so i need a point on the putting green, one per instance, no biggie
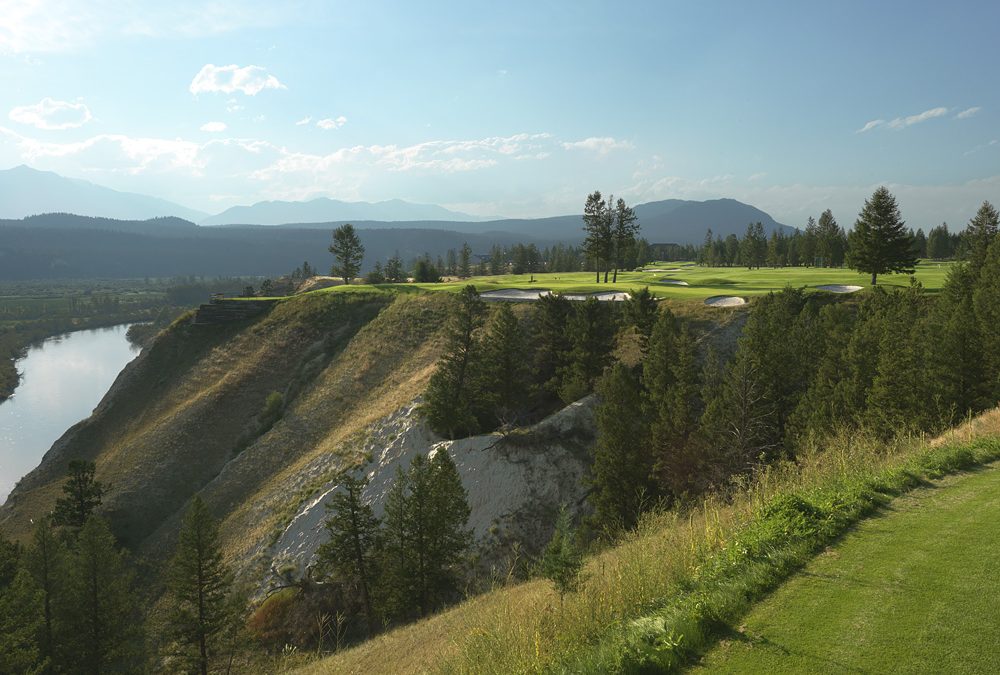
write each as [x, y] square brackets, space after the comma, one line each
[702, 282]
[915, 590]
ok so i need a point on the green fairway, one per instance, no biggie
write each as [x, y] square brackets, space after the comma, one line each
[915, 590]
[703, 282]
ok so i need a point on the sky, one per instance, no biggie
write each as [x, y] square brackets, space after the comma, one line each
[515, 109]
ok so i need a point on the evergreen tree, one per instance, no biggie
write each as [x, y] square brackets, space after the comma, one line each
[47, 562]
[450, 537]
[738, 422]
[641, 312]
[425, 273]
[562, 559]
[394, 270]
[10, 558]
[591, 335]
[101, 629]
[81, 495]
[506, 374]
[198, 582]
[620, 475]
[20, 621]
[597, 223]
[676, 455]
[395, 587]
[624, 232]
[809, 243]
[465, 262]
[552, 343]
[980, 233]
[353, 549]
[348, 252]
[880, 243]
[451, 402]
[986, 302]
[376, 276]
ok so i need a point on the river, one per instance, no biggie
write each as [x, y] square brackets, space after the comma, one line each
[62, 381]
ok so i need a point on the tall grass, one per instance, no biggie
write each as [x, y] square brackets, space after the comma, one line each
[656, 599]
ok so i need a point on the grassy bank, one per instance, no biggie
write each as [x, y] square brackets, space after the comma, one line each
[662, 595]
[912, 591]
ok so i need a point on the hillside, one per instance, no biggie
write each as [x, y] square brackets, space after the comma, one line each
[26, 192]
[325, 210]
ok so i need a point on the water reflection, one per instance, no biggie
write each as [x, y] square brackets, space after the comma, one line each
[62, 380]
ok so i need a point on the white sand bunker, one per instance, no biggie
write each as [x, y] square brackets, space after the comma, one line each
[666, 269]
[838, 288]
[675, 282]
[725, 301]
[608, 296]
[514, 294]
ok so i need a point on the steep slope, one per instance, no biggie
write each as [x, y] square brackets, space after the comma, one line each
[26, 192]
[170, 426]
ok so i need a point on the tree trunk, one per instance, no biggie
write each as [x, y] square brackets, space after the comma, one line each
[874, 275]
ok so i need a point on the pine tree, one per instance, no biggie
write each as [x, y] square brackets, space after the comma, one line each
[641, 312]
[597, 223]
[452, 403]
[354, 547]
[980, 233]
[394, 270]
[552, 344]
[100, 610]
[465, 262]
[676, 455]
[20, 621]
[47, 562]
[562, 559]
[986, 301]
[591, 335]
[879, 242]
[395, 587]
[624, 232]
[82, 495]
[199, 583]
[620, 475]
[348, 252]
[506, 375]
[450, 537]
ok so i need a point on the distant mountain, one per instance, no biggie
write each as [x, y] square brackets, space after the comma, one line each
[323, 210]
[26, 192]
[671, 221]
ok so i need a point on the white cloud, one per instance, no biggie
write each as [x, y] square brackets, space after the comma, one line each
[869, 126]
[48, 26]
[968, 112]
[50, 114]
[979, 148]
[214, 127]
[232, 105]
[332, 123]
[903, 122]
[304, 121]
[250, 80]
[601, 145]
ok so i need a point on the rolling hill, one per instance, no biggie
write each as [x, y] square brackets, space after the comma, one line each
[330, 210]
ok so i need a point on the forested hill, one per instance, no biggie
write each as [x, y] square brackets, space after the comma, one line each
[675, 221]
[72, 247]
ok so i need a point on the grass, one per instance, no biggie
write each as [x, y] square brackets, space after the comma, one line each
[914, 590]
[703, 282]
[660, 596]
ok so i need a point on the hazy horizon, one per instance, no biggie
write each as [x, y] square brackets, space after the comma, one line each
[516, 111]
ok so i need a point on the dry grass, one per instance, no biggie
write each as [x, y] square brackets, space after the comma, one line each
[523, 628]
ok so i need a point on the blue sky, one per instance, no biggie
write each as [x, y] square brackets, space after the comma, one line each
[514, 109]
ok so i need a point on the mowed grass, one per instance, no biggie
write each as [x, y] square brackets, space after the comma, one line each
[703, 282]
[912, 591]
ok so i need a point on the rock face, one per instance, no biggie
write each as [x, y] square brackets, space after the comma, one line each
[516, 483]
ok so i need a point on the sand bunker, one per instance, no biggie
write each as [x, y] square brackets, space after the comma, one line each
[607, 296]
[667, 269]
[725, 301]
[514, 294]
[675, 282]
[838, 288]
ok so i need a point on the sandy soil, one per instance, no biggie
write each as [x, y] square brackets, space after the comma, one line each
[675, 282]
[839, 288]
[725, 301]
[608, 296]
[514, 294]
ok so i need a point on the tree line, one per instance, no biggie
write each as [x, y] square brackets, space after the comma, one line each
[807, 367]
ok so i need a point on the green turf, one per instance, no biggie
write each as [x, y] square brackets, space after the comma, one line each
[704, 281]
[915, 590]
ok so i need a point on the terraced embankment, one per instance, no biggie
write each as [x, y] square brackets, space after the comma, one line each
[914, 590]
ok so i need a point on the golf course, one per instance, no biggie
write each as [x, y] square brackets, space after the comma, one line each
[682, 281]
